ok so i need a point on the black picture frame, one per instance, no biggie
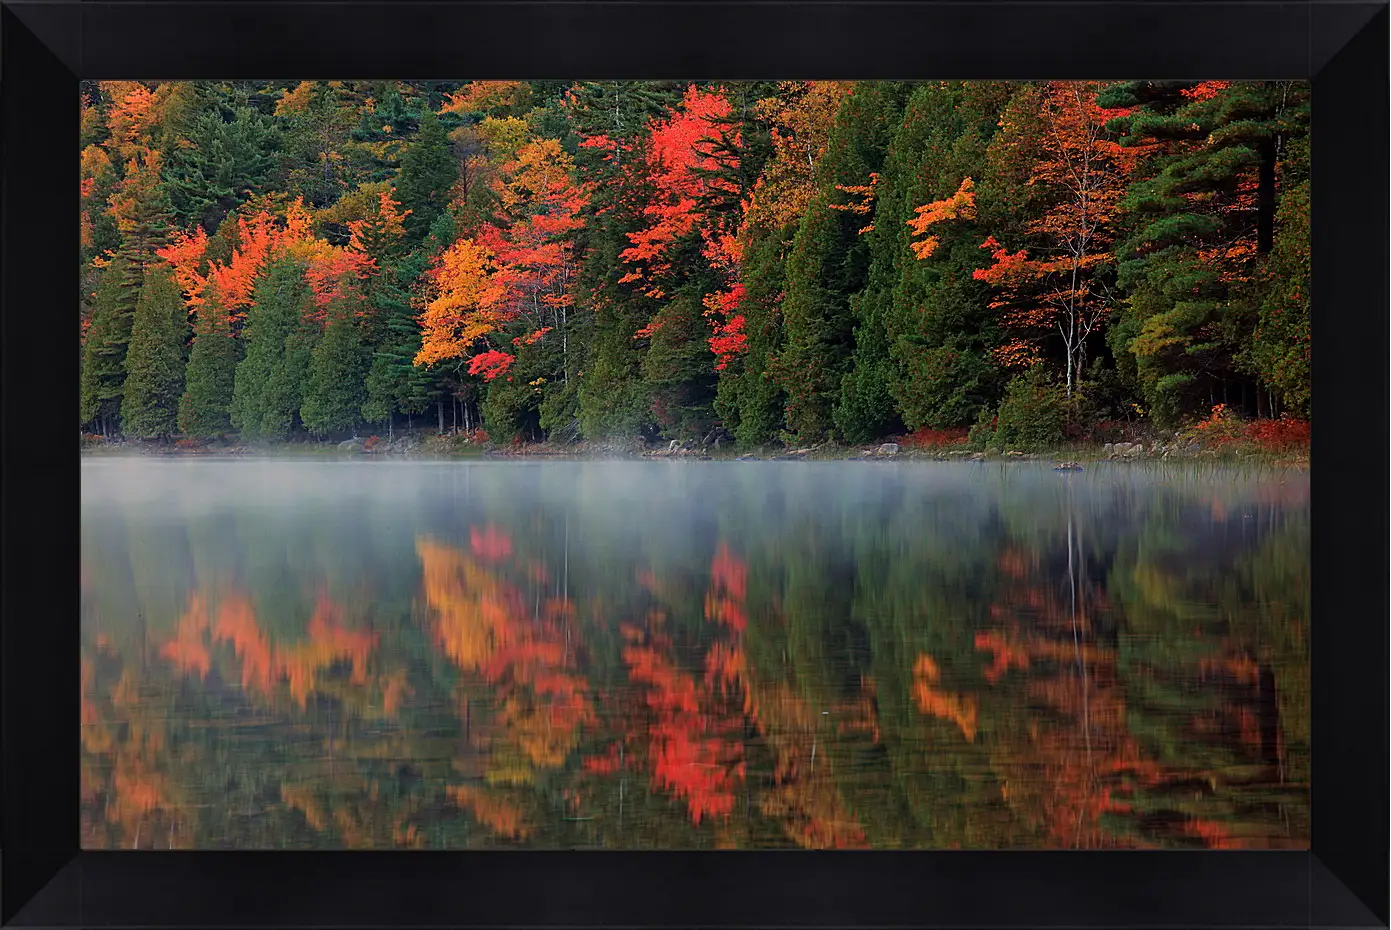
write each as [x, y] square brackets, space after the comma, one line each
[46, 46]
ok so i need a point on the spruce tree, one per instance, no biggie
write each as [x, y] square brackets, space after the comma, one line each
[154, 361]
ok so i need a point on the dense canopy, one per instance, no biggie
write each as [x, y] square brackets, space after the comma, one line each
[763, 261]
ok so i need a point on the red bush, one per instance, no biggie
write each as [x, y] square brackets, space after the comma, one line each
[1279, 435]
[1223, 428]
[935, 438]
[371, 443]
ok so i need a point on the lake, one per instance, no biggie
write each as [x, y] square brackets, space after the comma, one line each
[372, 653]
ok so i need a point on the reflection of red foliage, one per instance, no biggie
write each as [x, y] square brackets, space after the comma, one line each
[693, 755]
[605, 764]
[490, 543]
[1006, 655]
[188, 651]
[728, 587]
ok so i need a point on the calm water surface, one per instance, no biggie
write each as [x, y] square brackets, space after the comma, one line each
[385, 654]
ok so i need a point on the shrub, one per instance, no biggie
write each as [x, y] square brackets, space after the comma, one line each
[370, 443]
[1222, 428]
[936, 438]
[1033, 414]
[1283, 435]
[982, 434]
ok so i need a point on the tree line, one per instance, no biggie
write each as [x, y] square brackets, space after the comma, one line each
[768, 261]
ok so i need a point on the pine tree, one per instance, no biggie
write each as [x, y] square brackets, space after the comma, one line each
[154, 362]
[221, 163]
[1202, 225]
[269, 380]
[428, 173]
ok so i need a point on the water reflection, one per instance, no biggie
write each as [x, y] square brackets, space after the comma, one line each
[675, 655]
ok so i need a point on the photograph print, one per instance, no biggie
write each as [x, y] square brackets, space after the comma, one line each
[698, 464]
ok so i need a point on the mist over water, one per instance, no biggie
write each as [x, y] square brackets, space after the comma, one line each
[386, 654]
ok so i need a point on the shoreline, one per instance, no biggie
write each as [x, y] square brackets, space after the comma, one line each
[444, 447]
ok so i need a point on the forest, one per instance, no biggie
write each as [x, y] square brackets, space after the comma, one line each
[759, 262]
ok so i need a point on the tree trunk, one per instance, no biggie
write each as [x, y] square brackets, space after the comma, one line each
[439, 405]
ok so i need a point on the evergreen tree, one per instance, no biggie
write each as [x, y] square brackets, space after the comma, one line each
[679, 369]
[1202, 224]
[205, 408]
[830, 261]
[334, 389]
[154, 362]
[937, 316]
[104, 350]
[317, 126]
[222, 161]
[140, 208]
[269, 380]
[750, 401]
[428, 173]
[1278, 353]
[394, 382]
[613, 399]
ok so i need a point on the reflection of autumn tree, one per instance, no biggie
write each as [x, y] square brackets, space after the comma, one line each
[808, 751]
[1228, 700]
[126, 760]
[536, 706]
[691, 742]
[1167, 735]
[157, 786]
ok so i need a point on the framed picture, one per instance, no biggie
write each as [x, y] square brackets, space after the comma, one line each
[562, 464]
